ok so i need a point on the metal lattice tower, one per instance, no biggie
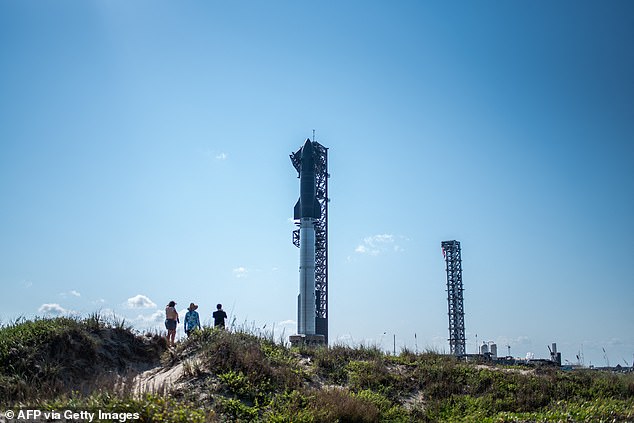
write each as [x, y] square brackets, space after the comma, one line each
[451, 251]
[321, 236]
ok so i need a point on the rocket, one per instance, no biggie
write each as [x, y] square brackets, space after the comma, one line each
[307, 210]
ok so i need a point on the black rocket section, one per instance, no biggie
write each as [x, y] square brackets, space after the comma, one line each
[307, 205]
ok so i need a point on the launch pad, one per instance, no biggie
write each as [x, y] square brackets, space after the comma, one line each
[307, 340]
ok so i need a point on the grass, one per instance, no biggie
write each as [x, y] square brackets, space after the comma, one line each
[244, 375]
[42, 358]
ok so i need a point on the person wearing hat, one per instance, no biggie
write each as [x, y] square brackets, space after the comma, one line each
[171, 320]
[192, 320]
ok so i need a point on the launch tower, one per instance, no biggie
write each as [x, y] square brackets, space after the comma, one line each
[451, 252]
[311, 214]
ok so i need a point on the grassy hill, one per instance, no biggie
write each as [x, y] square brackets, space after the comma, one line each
[90, 364]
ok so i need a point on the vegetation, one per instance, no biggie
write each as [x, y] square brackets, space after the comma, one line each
[89, 364]
[43, 358]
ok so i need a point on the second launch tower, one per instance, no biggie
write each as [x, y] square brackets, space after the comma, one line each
[453, 260]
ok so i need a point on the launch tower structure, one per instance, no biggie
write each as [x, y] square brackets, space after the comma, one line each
[320, 162]
[451, 252]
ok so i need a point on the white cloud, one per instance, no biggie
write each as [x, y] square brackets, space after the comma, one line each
[240, 272]
[140, 301]
[361, 249]
[52, 309]
[70, 293]
[155, 317]
[378, 244]
[287, 323]
[215, 155]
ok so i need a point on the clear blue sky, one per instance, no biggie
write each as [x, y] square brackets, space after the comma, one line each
[144, 157]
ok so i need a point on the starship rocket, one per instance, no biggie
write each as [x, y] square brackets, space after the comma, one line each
[307, 210]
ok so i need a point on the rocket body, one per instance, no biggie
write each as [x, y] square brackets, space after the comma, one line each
[306, 300]
[307, 210]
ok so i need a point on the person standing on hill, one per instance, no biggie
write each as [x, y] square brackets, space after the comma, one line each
[192, 320]
[219, 317]
[171, 320]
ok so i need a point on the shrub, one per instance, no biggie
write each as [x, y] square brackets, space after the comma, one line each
[236, 410]
[42, 358]
[372, 374]
[339, 405]
[150, 408]
[332, 361]
[225, 352]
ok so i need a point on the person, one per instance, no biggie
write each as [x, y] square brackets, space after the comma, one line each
[219, 317]
[192, 320]
[171, 320]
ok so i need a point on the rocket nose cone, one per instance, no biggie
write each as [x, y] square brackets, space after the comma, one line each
[308, 147]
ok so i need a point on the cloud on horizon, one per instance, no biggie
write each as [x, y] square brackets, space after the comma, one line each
[53, 309]
[140, 301]
[155, 317]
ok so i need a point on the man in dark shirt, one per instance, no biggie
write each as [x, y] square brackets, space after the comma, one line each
[219, 317]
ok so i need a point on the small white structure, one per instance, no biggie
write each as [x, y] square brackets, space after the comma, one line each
[484, 348]
[494, 350]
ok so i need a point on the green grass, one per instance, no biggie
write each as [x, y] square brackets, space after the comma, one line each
[237, 375]
[150, 408]
[43, 358]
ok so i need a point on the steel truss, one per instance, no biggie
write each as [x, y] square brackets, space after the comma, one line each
[321, 235]
[451, 251]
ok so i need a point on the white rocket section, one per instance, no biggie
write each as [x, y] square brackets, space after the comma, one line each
[306, 304]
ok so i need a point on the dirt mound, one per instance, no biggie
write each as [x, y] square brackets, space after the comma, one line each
[86, 355]
[51, 356]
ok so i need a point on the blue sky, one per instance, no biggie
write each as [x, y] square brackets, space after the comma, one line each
[144, 157]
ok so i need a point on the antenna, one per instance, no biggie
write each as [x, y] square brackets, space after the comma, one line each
[313, 135]
[583, 359]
